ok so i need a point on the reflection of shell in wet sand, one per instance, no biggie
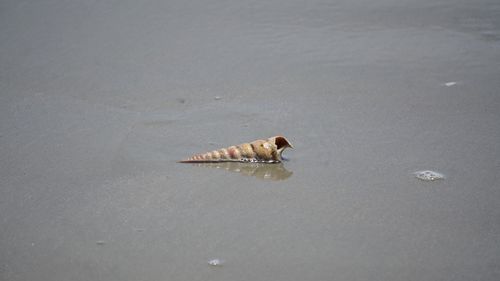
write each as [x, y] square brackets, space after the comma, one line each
[258, 170]
[260, 151]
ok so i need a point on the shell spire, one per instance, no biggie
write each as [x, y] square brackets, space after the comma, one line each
[260, 151]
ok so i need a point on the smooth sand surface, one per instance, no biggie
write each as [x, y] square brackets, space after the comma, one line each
[99, 99]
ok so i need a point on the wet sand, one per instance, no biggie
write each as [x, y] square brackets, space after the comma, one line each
[99, 99]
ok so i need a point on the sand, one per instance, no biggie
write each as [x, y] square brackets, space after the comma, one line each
[99, 99]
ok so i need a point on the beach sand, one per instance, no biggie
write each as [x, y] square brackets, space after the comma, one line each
[100, 99]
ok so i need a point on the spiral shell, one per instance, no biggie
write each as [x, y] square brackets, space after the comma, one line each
[261, 151]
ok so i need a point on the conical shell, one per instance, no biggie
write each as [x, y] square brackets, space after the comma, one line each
[261, 151]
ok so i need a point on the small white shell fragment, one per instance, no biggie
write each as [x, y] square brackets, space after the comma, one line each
[215, 262]
[449, 84]
[428, 175]
[217, 98]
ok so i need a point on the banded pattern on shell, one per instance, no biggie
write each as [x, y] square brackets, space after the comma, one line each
[260, 151]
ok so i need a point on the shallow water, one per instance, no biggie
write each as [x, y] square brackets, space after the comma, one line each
[99, 99]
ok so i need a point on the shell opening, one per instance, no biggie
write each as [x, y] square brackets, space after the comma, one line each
[281, 143]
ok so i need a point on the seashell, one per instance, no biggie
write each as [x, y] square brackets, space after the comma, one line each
[260, 151]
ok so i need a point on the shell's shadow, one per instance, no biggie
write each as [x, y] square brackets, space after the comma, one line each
[262, 171]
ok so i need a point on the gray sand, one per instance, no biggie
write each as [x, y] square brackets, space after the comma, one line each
[99, 99]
